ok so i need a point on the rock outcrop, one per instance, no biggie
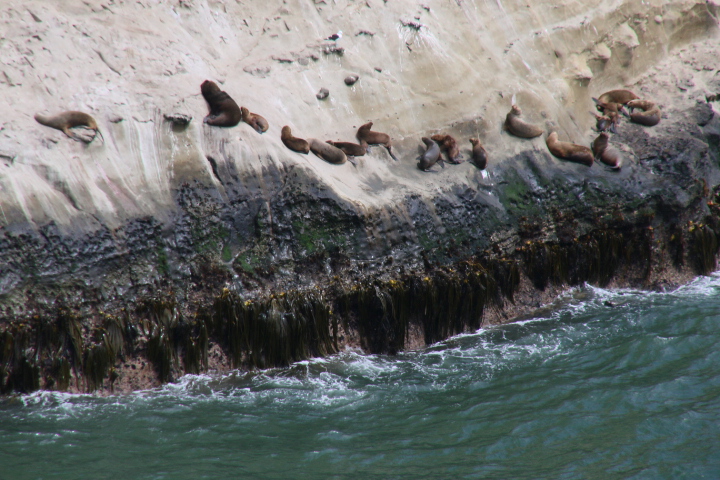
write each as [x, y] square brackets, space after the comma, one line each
[172, 246]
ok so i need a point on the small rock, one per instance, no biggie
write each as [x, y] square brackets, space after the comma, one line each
[703, 113]
[330, 49]
[8, 156]
[378, 69]
[282, 59]
[322, 94]
[658, 19]
[178, 119]
[685, 84]
[303, 61]
[351, 79]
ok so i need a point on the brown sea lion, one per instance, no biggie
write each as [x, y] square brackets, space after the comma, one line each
[66, 120]
[295, 144]
[606, 122]
[607, 154]
[224, 112]
[650, 115]
[518, 127]
[569, 151]
[365, 135]
[350, 149]
[617, 96]
[479, 155]
[257, 122]
[448, 145]
[326, 151]
[431, 155]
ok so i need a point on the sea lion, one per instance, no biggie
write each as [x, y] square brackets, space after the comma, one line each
[448, 145]
[431, 155]
[569, 151]
[66, 120]
[349, 148]
[257, 122]
[299, 145]
[327, 152]
[650, 115]
[479, 155]
[224, 112]
[607, 154]
[617, 96]
[365, 135]
[518, 127]
[605, 122]
[610, 109]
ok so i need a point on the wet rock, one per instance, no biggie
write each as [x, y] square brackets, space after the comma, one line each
[703, 113]
[351, 79]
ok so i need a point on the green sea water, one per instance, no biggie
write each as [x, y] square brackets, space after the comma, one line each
[584, 390]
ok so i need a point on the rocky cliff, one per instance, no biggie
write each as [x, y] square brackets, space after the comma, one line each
[162, 248]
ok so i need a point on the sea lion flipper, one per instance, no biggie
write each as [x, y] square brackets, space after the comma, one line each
[392, 154]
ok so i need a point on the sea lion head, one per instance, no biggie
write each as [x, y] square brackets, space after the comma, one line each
[209, 87]
[515, 110]
[474, 141]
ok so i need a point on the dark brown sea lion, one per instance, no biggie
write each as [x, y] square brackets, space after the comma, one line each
[606, 122]
[295, 144]
[448, 145]
[431, 155]
[350, 149]
[479, 155]
[569, 151]
[650, 115]
[518, 127]
[66, 120]
[224, 112]
[365, 135]
[617, 96]
[607, 154]
[327, 152]
[257, 122]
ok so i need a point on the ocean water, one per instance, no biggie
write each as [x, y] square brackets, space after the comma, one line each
[584, 390]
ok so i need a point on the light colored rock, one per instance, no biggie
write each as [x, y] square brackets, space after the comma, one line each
[135, 60]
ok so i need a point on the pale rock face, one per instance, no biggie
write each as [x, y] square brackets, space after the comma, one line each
[450, 66]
